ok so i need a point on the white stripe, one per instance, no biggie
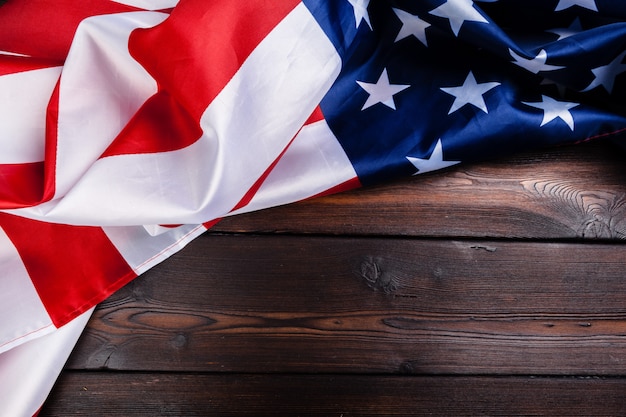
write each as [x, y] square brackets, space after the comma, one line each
[12, 53]
[140, 189]
[142, 251]
[245, 129]
[101, 88]
[149, 4]
[252, 129]
[22, 315]
[28, 372]
[314, 163]
[24, 98]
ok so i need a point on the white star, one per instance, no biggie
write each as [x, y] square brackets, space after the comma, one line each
[434, 162]
[469, 93]
[381, 91]
[360, 11]
[536, 64]
[566, 4]
[411, 26]
[573, 29]
[605, 75]
[458, 12]
[553, 109]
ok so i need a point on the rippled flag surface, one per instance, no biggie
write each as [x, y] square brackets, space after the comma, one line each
[129, 128]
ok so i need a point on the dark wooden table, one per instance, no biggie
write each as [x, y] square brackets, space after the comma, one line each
[490, 289]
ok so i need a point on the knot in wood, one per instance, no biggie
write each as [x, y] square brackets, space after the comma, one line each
[595, 229]
[376, 278]
[407, 368]
[179, 341]
[592, 213]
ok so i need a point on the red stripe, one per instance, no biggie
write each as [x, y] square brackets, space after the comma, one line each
[203, 44]
[72, 267]
[10, 64]
[187, 41]
[351, 184]
[21, 185]
[50, 152]
[45, 28]
[211, 223]
[29, 184]
[316, 116]
[160, 125]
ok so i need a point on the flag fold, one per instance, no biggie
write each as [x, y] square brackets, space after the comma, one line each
[128, 128]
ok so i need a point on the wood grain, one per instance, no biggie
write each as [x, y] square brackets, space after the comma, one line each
[569, 192]
[124, 394]
[365, 305]
[492, 289]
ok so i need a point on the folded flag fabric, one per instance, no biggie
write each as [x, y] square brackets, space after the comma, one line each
[129, 127]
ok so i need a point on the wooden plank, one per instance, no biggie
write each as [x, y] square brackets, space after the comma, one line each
[570, 192]
[366, 305]
[123, 394]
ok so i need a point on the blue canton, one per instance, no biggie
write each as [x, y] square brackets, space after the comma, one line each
[426, 85]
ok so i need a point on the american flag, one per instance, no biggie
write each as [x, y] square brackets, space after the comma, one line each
[129, 127]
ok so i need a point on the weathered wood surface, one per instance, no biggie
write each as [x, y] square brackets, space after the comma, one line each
[442, 295]
[317, 304]
[123, 394]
